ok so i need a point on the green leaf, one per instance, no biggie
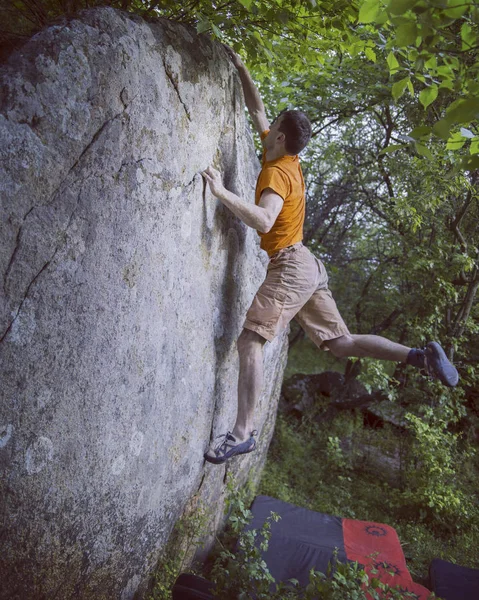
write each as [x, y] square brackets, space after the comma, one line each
[456, 141]
[423, 150]
[283, 16]
[474, 149]
[392, 63]
[470, 163]
[468, 37]
[406, 34]
[431, 63]
[428, 95]
[410, 87]
[369, 11]
[463, 110]
[246, 3]
[446, 71]
[382, 18]
[369, 52]
[216, 31]
[257, 35]
[391, 149]
[447, 84]
[456, 8]
[473, 87]
[399, 7]
[419, 132]
[399, 87]
[202, 26]
[441, 129]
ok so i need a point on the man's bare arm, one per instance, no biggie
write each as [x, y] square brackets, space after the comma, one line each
[261, 217]
[251, 95]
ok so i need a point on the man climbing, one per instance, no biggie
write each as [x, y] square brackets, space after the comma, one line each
[296, 283]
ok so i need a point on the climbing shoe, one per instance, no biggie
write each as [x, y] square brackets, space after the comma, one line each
[439, 366]
[226, 446]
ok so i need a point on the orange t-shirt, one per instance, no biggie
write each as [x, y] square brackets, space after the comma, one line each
[284, 176]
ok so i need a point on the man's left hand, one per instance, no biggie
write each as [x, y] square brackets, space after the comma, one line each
[213, 177]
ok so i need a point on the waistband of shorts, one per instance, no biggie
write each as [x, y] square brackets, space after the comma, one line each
[284, 250]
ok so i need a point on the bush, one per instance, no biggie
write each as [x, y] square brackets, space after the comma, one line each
[431, 499]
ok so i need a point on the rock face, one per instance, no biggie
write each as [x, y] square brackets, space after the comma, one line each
[124, 288]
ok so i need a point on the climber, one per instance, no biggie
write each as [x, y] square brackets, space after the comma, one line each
[296, 283]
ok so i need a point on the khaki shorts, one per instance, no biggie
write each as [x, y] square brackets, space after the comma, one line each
[296, 286]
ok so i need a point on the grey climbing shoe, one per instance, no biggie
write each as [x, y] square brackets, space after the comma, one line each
[226, 446]
[439, 366]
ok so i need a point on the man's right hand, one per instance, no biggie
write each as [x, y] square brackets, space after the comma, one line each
[235, 59]
[213, 177]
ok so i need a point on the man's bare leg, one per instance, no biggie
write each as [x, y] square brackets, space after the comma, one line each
[250, 381]
[373, 346]
[433, 358]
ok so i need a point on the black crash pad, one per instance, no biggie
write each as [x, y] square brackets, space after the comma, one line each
[301, 540]
[453, 582]
[192, 587]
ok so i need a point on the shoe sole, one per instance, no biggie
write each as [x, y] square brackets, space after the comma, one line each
[435, 350]
[222, 459]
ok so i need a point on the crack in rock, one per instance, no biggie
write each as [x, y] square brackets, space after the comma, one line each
[192, 181]
[127, 163]
[44, 267]
[95, 137]
[175, 86]
[15, 250]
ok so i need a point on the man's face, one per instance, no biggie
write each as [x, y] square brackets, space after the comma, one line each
[270, 139]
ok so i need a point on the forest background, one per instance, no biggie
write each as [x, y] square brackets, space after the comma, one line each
[392, 91]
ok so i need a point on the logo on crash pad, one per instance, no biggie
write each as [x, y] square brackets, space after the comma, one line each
[410, 594]
[389, 567]
[375, 530]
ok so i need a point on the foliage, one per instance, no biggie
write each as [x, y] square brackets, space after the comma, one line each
[186, 536]
[244, 572]
[383, 475]
[433, 475]
[351, 581]
[398, 232]
[429, 46]
[432, 51]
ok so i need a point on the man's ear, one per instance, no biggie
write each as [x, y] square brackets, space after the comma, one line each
[280, 137]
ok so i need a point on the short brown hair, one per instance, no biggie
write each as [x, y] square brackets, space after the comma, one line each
[296, 127]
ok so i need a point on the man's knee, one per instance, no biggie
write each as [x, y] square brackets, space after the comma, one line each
[249, 340]
[341, 347]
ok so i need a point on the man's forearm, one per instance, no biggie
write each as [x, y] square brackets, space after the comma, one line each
[253, 100]
[252, 215]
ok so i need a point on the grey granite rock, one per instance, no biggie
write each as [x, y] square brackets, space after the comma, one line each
[124, 287]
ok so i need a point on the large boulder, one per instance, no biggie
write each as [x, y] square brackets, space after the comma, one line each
[302, 392]
[124, 288]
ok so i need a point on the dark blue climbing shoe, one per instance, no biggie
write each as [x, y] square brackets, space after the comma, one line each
[439, 366]
[225, 447]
